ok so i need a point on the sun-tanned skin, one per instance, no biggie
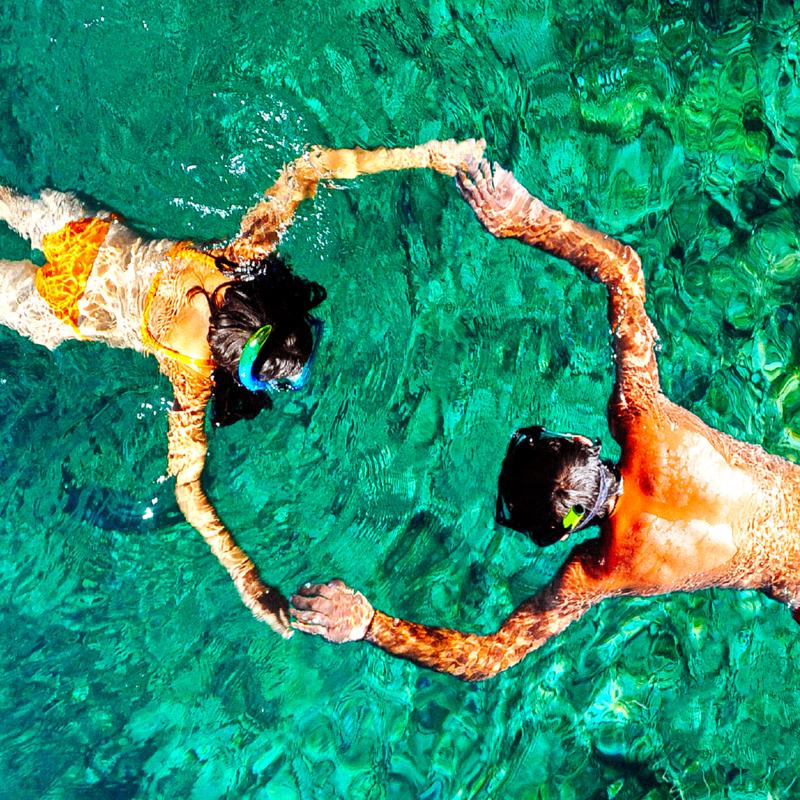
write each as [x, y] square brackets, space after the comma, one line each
[698, 509]
[178, 315]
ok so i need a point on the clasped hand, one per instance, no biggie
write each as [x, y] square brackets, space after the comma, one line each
[332, 610]
[501, 203]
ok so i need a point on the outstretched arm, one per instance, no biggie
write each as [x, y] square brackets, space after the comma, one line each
[507, 209]
[187, 456]
[339, 614]
[263, 225]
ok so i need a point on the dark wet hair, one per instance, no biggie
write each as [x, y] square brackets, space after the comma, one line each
[272, 294]
[543, 478]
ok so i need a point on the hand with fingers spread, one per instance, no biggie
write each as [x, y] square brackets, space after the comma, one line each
[332, 610]
[502, 204]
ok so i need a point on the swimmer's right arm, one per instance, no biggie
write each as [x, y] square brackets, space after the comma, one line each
[263, 225]
[340, 614]
[507, 210]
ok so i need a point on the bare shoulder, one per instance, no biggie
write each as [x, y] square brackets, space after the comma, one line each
[676, 459]
[701, 508]
[738, 454]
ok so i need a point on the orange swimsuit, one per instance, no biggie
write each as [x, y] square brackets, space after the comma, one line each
[180, 250]
[71, 253]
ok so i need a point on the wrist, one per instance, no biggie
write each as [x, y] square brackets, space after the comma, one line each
[428, 154]
[376, 623]
[538, 219]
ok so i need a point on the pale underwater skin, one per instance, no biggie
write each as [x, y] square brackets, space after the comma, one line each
[130, 667]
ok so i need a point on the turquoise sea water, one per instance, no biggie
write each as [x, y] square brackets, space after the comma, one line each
[129, 667]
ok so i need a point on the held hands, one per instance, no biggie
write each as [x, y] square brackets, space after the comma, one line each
[449, 156]
[332, 610]
[502, 204]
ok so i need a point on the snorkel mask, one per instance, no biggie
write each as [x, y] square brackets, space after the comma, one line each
[577, 518]
[249, 359]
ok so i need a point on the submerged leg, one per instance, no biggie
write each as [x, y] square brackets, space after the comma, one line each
[22, 308]
[33, 217]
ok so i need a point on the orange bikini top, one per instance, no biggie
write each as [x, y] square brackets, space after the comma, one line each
[71, 252]
[182, 250]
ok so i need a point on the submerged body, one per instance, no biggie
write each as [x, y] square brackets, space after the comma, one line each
[695, 508]
[106, 282]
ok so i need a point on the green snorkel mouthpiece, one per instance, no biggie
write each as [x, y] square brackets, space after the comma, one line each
[573, 518]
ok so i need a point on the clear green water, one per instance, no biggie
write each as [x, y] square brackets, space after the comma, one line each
[129, 668]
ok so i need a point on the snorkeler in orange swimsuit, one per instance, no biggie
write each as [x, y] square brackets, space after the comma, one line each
[685, 508]
[227, 323]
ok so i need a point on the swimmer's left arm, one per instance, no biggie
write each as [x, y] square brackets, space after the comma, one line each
[339, 614]
[188, 448]
[263, 224]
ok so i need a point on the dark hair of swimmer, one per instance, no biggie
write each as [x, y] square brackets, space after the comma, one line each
[552, 485]
[273, 297]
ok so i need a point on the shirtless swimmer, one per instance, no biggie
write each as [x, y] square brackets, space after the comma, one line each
[685, 508]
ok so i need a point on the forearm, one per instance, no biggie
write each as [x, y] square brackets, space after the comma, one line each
[508, 210]
[599, 256]
[345, 164]
[299, 180]
[200, 514]
[464, 655]
[618, 267]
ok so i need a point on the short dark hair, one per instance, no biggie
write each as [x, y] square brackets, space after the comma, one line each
[271, 294]
[543, 478]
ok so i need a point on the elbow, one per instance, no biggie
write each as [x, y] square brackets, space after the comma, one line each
[633, 267]
[183, 493]
[475, 675]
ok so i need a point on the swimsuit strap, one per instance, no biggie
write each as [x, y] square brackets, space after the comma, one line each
[198, 364]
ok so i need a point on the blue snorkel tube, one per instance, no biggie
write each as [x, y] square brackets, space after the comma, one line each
[248, 374]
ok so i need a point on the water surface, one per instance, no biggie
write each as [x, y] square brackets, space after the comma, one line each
[129, 667]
